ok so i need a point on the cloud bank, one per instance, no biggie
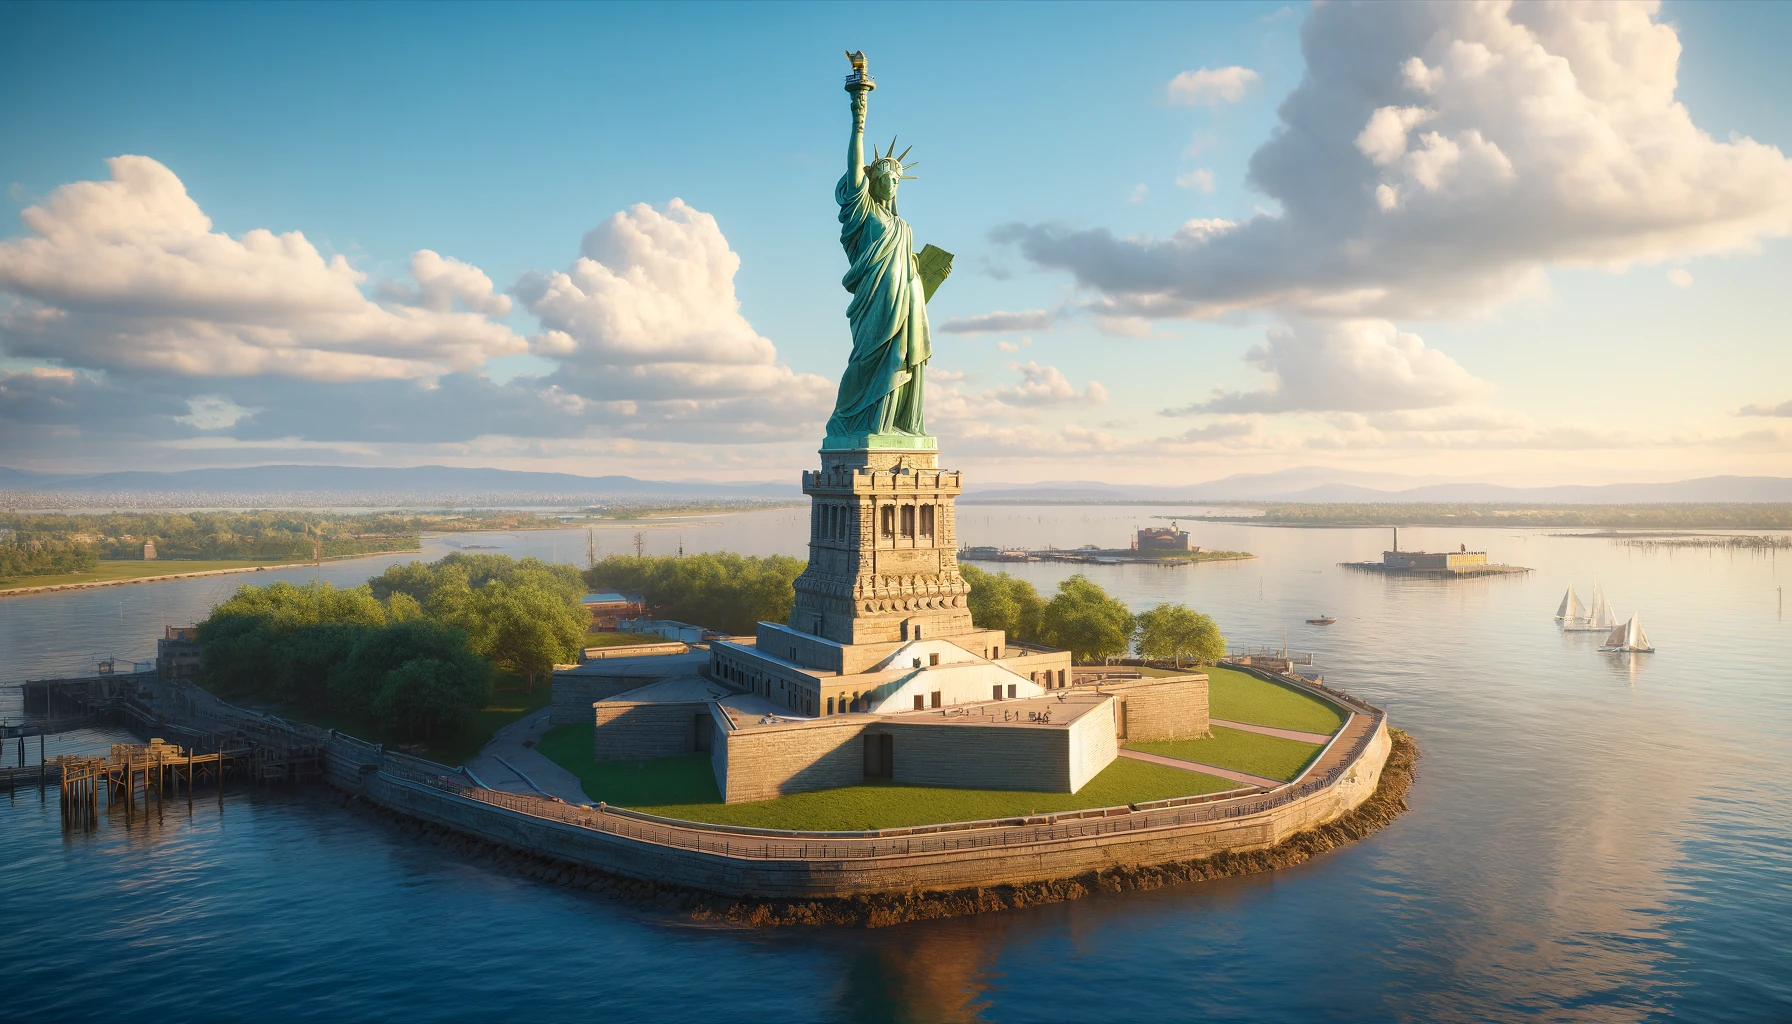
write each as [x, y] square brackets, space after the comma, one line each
[1436, 157]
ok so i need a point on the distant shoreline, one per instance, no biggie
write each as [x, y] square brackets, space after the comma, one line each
[89, 584]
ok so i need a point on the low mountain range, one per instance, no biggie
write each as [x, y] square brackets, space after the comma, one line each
[425, 483]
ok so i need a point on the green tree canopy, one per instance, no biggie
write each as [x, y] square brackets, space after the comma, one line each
[1000, 601]
[426, 692]
[1082, 619]
[525, 627]
[723, 591]
[354, 682]
[1175, 632]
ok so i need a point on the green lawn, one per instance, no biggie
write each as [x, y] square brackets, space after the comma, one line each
[1269, 756]
[621, 639]
[131, 569]
[683, 787]
[1237, 697]
[454, 747]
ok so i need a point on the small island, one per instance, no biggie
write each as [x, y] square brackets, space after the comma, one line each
[1153, 545]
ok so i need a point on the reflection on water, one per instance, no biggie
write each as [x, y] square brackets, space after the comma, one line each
[1593, 836]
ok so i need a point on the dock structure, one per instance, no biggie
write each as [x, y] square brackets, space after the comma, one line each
[196, 742]
[134, 770]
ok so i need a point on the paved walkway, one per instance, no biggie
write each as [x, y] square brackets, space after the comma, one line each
[506, 764]
[1205, 769]
[1287, 734]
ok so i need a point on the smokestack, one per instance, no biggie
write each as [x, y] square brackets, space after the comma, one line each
[1396, 538]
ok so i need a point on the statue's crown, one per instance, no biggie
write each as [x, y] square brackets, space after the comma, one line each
[889, 163]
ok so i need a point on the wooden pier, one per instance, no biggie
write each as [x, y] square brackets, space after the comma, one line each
[139, 770]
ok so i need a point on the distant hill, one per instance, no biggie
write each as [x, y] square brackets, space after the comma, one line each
[363, 480]
[1317, 484]
[422, 484]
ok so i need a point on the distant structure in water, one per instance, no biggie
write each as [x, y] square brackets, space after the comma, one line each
[1159, 538]
[1444, 564]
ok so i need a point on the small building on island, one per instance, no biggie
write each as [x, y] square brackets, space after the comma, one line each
[1159, 538]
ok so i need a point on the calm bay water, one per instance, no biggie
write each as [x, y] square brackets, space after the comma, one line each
[1593, 837]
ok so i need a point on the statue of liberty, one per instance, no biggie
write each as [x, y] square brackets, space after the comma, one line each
[880, 399]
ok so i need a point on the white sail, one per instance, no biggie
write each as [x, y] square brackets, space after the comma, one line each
[1602, 608]
[1586, 619]
[1628, 637]
[1570, 608]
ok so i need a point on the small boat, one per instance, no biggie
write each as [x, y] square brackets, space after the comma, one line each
[1569, 610]
[1598, 617]
[1323, 620]
[1628, 638]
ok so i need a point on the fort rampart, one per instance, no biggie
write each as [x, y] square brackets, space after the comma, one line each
[767, 863]
[745, 862]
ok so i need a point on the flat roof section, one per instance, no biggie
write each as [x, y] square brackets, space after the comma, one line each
[649, 665]
[1057, 709]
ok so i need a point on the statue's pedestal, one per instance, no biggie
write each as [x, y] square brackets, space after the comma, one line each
[883, 549]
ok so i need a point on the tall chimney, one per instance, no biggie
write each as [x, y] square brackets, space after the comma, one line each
[1396, 538]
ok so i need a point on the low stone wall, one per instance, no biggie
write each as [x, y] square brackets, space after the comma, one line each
[576, 689]
[631, 731]
[1164, 708]
[745, 862]
[980, 756]
[769, 762]
[741, 862]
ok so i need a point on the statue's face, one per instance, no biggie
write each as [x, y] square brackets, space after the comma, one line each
[883, 186]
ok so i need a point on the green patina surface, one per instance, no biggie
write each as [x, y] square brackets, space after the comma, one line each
[1269, 756]
[683, 787]
[1239, 697]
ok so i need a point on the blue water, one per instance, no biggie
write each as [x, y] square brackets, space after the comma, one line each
[1592, 837]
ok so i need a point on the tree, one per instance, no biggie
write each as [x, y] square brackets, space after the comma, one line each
[720, 590]
[427, 692]
[356, 680]
[1003, 602]
[402, 607]
[526, 628]
[1175, 632]
[1085, 621]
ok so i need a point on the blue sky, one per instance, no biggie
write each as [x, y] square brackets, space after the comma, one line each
[1052, 140]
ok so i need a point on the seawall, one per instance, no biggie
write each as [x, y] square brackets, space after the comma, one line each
[927, 870]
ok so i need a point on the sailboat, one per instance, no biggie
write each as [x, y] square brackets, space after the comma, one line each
[1628, 638]
[1599, 617]
[1570, 609]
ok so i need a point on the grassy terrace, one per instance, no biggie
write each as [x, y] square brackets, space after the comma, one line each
[621, 639]
[683, 787]
[1269, 756]
[1235, 696]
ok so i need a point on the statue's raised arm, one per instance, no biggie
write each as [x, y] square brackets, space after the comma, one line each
[858, 85]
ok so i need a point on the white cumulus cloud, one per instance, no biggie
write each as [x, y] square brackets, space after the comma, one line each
[1200, 178]
[1347, 365]
[1438, 157]
[127, 275]
[648, 311]
[1047, 385]
[1210, 87]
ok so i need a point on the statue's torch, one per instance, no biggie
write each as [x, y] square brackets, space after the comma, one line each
[859, 80]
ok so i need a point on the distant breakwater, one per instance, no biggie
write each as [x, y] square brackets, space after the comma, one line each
[90, 584]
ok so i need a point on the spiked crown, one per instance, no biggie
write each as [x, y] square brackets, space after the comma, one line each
[890, 163]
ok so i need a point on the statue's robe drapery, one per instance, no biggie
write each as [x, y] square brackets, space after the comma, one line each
[881, 390]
